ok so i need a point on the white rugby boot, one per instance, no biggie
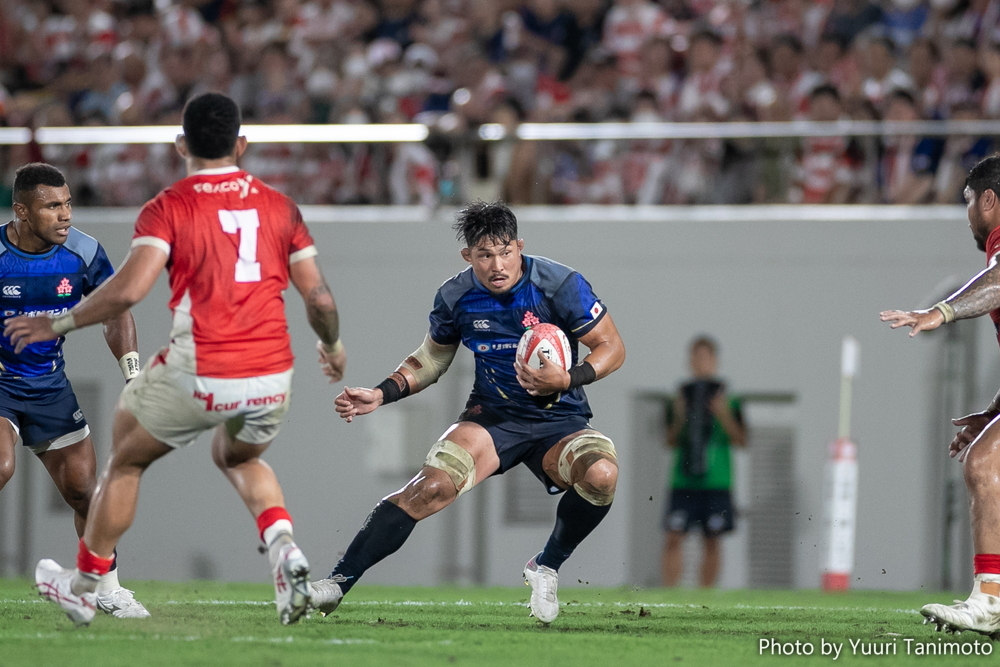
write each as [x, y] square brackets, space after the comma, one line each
[291, 583]
[326, 595]
[979, 613]
[55, 583]
[120, 603]
[544, 582]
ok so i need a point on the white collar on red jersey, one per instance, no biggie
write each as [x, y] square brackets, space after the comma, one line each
[217, 171]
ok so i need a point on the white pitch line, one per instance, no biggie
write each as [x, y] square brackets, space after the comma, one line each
[488, 603]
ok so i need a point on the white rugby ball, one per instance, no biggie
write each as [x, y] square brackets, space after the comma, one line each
[547, 340]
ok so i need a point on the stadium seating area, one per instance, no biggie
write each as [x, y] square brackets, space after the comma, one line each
[455, 64]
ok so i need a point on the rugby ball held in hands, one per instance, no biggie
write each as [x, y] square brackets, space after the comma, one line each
[548, 340]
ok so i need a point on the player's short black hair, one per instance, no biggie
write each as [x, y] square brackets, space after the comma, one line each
[30, 176]
[705, 341]
[825, 89]
[491, 221]
[211, 125]
[985, 176]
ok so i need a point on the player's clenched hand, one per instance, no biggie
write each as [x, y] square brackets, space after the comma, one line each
[332, 364]
[549, 379]
[354, 401]
[24, 331]
[972, 425]
[917, 320]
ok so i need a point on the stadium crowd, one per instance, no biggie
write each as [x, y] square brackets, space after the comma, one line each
[455, 64]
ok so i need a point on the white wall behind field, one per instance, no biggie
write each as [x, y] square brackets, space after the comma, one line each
[777, 286]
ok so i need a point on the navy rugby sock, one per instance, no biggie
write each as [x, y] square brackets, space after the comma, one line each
[381, 535]
[575, 519]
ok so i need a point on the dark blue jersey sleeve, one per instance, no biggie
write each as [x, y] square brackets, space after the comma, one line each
[100, 269]
[577, 306]
[443, 329]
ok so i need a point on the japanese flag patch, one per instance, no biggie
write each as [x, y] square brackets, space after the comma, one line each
[596, 310]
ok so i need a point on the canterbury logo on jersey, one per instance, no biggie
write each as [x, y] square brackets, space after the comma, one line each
[12, 291]
[241, 185]
[481, 324]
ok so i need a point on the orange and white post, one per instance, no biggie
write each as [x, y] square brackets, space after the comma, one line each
[842, 482]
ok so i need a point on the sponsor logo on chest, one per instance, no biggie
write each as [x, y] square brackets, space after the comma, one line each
[12, 291]
[64, 288]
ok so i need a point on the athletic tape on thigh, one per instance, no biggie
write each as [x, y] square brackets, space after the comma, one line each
[589, 443]
[461, 467]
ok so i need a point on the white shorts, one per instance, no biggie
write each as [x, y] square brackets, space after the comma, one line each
[177, 407]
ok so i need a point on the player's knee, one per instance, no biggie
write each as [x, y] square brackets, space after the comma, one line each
[437, 489]
[6, 470]
[590, 464]
[602, 477]
[456, 463]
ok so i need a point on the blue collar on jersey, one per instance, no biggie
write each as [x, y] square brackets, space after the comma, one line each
[23, 253]
[525, 275]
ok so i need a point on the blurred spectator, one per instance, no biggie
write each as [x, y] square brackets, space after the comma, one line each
[703, 423]
[961, 153]
[908, 164]
[824, 171]
[882, 75]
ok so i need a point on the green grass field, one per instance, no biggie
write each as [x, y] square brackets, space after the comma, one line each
[206, 623]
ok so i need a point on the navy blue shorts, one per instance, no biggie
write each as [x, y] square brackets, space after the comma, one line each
[523, 441]
[51, 420]
[712, 508]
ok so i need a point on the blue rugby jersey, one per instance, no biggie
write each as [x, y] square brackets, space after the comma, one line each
[47, 283]
[491, 326]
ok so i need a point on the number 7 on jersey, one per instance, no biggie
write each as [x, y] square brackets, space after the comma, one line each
[244, 223]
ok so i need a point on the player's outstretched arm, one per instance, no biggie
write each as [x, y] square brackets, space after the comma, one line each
[977, 297]
[127, 287]
[417, 372]
[324, 319]
[607, 354]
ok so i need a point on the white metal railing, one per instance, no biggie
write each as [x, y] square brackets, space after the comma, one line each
[415, 132]
[613, 215]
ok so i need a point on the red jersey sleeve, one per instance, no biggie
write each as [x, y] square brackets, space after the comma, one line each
[153, 226]
[302, 245]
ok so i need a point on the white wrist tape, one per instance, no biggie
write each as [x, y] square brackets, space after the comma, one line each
[129, 363]
[63, 324]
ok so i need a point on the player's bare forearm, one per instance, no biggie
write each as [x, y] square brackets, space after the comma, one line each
[607, 351]
[322, 313]
[321, 309]
[979, 296]
[119, 333]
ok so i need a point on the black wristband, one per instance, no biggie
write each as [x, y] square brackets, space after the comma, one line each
[581, 374]
[391, 390]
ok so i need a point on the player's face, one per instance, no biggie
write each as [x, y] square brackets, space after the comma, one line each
[703, 362]
[497, 265]
[48, 213]
[977, 224]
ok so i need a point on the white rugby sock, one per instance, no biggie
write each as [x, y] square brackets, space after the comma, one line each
[108, 582]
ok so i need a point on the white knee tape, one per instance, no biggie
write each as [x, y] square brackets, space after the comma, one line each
[589, 443]
[461, 467]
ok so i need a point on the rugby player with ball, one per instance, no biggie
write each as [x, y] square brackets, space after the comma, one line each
[522, 316]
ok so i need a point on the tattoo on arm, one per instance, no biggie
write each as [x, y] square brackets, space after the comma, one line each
[979, 296]
[322, 313]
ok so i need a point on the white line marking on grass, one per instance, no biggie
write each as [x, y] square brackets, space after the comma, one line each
[492, 603]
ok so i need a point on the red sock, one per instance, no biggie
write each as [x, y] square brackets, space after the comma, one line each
[986, 563]
[271, 516]
[88, 561]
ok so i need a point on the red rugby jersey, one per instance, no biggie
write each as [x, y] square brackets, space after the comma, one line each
[992, 249]
[231, 240]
